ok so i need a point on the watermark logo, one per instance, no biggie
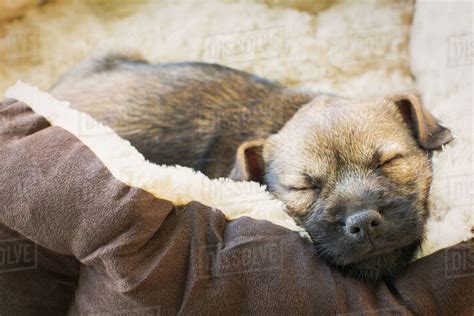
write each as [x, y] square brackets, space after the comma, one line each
[459, 260]
[91, 126]
[18, 43]
[229, 121]
[367, 46]
[348, 52]
[229, 195]
[391, 311]
[243, 46]
[141, 311]
[17, 5]
[460, 50]
[17, 255]
[233, 116]
[31, 178]
[461, 190]
[254, 256]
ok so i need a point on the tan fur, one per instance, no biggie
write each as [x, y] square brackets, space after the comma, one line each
[330, 126]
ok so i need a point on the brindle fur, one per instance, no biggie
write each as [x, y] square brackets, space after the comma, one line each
[192, 114]
[325, 162]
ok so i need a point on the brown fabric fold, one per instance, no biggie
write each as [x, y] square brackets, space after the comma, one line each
[103, 248]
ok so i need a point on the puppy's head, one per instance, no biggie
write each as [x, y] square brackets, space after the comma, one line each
[355, 175]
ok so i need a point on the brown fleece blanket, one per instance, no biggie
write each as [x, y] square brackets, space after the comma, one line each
[73, 239]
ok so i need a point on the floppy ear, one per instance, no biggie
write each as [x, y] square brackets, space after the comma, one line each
[249, 164]
[426, 128]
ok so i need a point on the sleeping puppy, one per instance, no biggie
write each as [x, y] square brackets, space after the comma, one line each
[355, 174]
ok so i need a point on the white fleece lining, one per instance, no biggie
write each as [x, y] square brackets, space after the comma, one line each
[177, 184]
[181, 185]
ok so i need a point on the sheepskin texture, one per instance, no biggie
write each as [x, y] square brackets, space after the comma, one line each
[442, 62]
[354, 48]
[335, 50]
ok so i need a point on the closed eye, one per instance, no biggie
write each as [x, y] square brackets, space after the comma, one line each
[390, 160]
[302, 188]
[310, 184]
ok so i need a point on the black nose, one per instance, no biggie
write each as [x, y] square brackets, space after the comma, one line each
[362, 223]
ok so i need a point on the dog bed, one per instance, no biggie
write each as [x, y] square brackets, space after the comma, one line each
[89, 227]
